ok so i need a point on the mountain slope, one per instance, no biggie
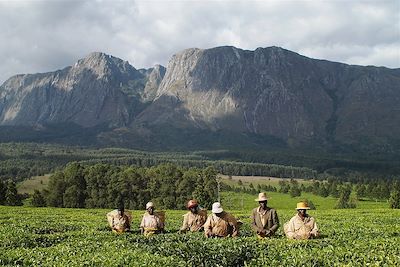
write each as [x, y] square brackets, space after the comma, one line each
[219, 97]
[98, 89]
[275, 92]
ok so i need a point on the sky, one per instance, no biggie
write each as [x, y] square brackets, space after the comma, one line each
[41, 36]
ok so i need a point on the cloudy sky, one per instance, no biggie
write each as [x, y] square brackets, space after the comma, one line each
[40, 36]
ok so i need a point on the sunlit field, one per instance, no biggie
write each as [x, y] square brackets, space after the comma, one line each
[368, 235]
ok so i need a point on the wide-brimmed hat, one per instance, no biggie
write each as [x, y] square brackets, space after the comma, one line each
[217, 208]
[302, 206]
[149, 205]
[262, 197]
[192, 203]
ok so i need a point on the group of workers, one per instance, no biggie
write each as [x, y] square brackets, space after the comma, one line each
[264, 221]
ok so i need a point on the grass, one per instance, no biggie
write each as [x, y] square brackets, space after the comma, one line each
[232, 180]
[37, 182]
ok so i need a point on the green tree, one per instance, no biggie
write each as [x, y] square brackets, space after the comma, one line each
[394, 199]
[38, 200]
[3, 189]
[344, 201]
[360, 191]
[323, 190]
[75, 192]
[55, 190]
[11, 196]
[206, 189]
[294, 190]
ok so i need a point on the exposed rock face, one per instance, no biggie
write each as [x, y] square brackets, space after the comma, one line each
[92, 92]
[267, 92]
[272, 91]
[154, 77]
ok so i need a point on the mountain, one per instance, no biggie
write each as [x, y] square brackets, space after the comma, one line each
[219, 97]
[97, 90]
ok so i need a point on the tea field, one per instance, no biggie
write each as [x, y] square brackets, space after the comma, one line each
[80, 237]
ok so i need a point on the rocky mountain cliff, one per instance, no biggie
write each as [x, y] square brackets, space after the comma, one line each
[275, 92]
[270, 93]
[97, 90]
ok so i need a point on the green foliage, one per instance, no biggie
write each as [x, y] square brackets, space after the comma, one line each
[103, 185]
[21, 161]
[294, 190]
[11, 195]
[3, 189]
[361, 191]
[77, 237]
[394, 200]
[38, 200]
[344, 201]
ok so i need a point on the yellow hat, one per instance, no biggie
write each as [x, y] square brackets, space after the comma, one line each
[262, 197]
[302, 206]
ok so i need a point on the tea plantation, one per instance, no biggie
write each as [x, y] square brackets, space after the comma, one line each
[80, 237]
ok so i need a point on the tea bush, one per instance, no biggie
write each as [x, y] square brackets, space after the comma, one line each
[80, 237]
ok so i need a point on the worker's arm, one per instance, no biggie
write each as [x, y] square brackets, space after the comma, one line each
[275, 221]
[253, 222]
[314, 230]
[185, 225]
[142, 225]
[208, 227]
[234, 225]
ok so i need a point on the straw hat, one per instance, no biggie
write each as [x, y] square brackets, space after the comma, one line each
[302, 206]
[217, 208]
[149, 205]
[192, 203]
[262, 197]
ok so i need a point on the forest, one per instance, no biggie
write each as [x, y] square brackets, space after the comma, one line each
[106, 186]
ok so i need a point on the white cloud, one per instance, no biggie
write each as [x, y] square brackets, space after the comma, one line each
[39, 36]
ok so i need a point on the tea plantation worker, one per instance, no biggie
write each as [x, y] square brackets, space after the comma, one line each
[264, 219]
[151, 222]
[119, 220]
[301, 226]
[193, 220]
[220, 223]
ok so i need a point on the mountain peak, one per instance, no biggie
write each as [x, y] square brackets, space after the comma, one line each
[103, 64]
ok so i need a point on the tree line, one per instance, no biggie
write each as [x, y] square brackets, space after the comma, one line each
[106, 186]
[8, 194]
[381, 190]
[19, 161]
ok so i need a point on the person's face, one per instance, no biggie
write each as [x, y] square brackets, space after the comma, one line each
[263, 204]
[193, 209]
[150, 210]
[302, 212]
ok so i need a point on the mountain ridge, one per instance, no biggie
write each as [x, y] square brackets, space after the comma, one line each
[269, 93]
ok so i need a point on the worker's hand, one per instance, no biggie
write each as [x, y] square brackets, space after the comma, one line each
[261, 231]
[314, 235]
[268, 232]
